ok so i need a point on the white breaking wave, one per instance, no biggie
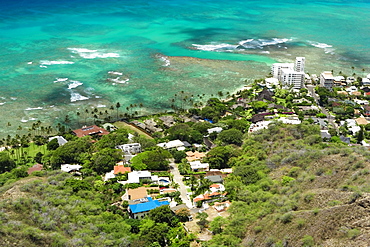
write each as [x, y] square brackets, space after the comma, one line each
[118, 80]
[261, 43]
[166, 61]
[61, 79]
[246, 44]
[115, 73]
[13, 98]
[327, 48]
[101, 106]
[215, 47]
[74, 84]
[77, 97]
[35, 108]
[47, 62]
[91, 54]
[23, 120]
[2, 103]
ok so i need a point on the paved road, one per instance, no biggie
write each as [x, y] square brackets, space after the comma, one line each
[331, 118]
[178, 179]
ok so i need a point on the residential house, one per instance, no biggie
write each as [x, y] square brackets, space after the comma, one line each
[192, 156]
[138, 176]
[258, 126]
[217, 179]
[217, 188]
[221, 206]
[138, 193]
[168, 121]
[327, 79]
[265, 95]
[325, 135]
[138, 209]
[130, 148]
[361, 121]
[209, 197]
[366, 110]
[171, 144]
[215, 129]
[121, 169]
[70, 168]
[92, 130]
[60, 139]
[197, 166]
[34, 168]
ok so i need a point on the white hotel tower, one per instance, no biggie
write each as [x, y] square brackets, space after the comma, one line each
[290, 74]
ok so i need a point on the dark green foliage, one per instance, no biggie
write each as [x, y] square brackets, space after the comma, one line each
[178, 155]
[163, 214]
[6, 163]
[184, 132]
[72, 152]
[248, 174]
[53, 144]
[231, 136]
[156, 159]
[218, 157]
[118, 137]
[38, 157]
[104, 160]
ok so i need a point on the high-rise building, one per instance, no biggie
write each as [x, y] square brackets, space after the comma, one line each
[277, 67]
[290, 74]
[327, 79]
[299, 64]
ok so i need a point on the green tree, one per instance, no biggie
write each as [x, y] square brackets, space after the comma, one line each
[218, 157]
[217, 225]
[163, 214]
[53, 144]
[156, 159]
[6, 163]
[105, 160]
[203, 222]
[231, 136]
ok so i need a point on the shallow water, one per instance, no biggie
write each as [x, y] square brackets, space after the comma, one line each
[58, 59]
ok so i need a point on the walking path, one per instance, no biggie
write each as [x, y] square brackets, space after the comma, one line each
[178, 179]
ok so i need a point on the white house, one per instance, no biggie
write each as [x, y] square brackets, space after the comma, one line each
[70, 168]
[130, 148]
[61, 140]
[171, 144]
[327, 79]
[197, 166]
[215, 129]
[137, 176]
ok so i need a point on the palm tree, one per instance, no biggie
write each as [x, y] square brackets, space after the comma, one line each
[118, 105]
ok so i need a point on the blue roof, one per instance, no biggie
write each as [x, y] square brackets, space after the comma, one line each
[147, 206]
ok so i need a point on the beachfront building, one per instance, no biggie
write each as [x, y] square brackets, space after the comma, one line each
[291, 78]
[92, 130]
[299, 64]
[290, 74]
[327, 79]
[278, 67]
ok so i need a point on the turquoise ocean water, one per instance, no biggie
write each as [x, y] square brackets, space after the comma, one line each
[58, 58]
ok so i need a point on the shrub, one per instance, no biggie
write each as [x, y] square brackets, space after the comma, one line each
[258, 229]
[285, 180]
[353, 233]
[301, 223]
[286, 218]
[334, 203]
[308, 197]
[308, 241]
[315, 211]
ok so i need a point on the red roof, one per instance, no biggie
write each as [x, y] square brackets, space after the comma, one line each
[121, 169]
[37, 167]
[90, 130]
[215, 186]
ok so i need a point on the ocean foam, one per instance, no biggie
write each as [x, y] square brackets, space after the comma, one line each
[47, 62]
[100, 106]
[35, 108]
[13, 98]
[61, 79]
[327, 48]
[74, 84]
[118, 80]
[261, 43]
[91, 54]
[2, 103]
[166, 61]
[77, 97]
[115, 73]
[215, 47]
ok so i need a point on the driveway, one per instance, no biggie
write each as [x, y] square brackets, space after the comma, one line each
[178, 179]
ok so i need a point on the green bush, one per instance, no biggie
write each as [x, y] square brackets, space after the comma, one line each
[308, 197]
[258, 229]
[308, 241]
[286, 218]
[301, 223]
[353, 233]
